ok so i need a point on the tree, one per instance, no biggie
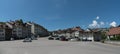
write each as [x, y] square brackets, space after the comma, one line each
[103, 35]
[21, 21]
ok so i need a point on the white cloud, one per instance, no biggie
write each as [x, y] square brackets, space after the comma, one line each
[94, 24]
[99, 24]
[114, 24]
[97, 17]
[102, 23]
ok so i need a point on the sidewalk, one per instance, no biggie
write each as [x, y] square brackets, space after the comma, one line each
[113, 42]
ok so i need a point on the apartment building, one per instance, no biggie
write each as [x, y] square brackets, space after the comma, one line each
[5, 31]
[38, 30]
[19, 30]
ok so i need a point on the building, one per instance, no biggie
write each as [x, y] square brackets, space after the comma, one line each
[26, 30]
[5, 31]
[97, 36]
[76, 31]
[19, 29]
[113, 33]
[89, 34]
[70, 32]
[38, 30]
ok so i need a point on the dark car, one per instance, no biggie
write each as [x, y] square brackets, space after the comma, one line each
[34, 38]
[57, 38]
[27, 40]
[50, 38]
[62, 38]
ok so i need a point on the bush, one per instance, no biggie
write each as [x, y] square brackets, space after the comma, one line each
[117, 38]
[103, 35]
[103, 41]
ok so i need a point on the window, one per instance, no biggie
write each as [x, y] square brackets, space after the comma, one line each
[19, 31]
[14, 31]
[1, 30]
[19, 34]
[2, 33]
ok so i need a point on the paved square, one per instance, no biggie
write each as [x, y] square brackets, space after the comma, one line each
[45, 46]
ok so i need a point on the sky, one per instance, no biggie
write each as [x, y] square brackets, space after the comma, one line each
[61, 14]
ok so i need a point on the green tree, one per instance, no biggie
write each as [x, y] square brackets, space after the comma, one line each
[103, 35]
[21, 21]
[118, 37]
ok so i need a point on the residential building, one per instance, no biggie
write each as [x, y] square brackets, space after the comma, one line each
[70, 32]
[76, 31]
[26, 30]
[19, 29]
[89, 34]
[5, 31]
[38, 30]
[113, 33]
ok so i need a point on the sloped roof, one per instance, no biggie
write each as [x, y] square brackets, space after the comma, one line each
[77, 29]
[4, 26]
[114, 31]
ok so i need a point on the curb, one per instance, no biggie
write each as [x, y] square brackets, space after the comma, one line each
[112, 43]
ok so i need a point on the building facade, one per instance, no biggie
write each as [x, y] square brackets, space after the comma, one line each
[113, 33]
[20, 30]
[38, 30]
[5, 32]
[89, 34]
[2, 32]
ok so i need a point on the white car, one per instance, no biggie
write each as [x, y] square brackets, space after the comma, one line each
[73, 39]
[27, 40]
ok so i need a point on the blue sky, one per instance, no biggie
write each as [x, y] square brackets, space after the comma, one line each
[60, 14]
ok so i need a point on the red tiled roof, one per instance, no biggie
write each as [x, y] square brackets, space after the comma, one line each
[114, 31]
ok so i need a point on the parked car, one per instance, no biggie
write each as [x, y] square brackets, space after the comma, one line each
[50, 38]
[86, 39]
[78, 39]
[74, 39]
[57, 38]
[33, 38]
[69, 38]
[53, 37]
[27, 40]
[63, 38]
